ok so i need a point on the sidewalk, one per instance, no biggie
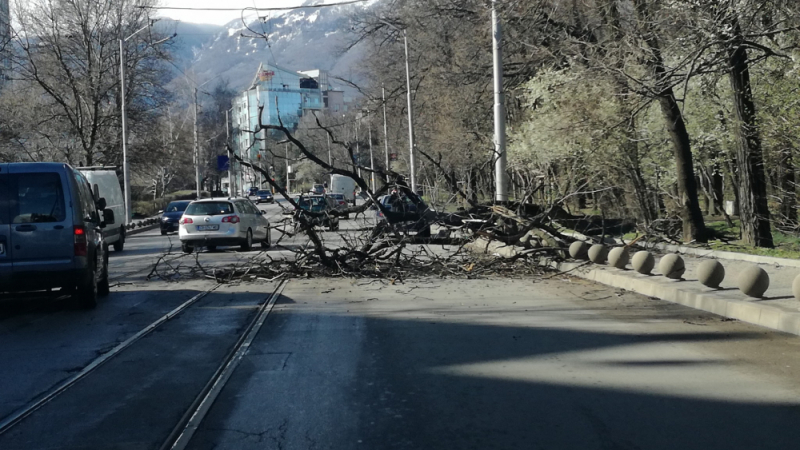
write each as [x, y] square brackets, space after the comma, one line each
[777, 310]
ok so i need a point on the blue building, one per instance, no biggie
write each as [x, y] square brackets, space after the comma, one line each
[283, 96]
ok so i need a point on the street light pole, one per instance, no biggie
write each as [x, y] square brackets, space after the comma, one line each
[196, 149]
[410, 118]
[371, 159]
[501, 185]
[385, 133]
[126, 177]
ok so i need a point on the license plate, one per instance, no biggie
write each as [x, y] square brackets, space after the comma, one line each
[207, 227]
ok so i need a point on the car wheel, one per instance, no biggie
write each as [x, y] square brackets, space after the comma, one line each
[247, 245]
[426, 233]
[186, 248]
[211, 248]
[120, 244]
[86, 294]
[163, 233]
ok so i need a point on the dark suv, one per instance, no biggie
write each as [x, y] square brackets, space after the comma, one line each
[51, 231]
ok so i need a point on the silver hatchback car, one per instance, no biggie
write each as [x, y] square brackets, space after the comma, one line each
[217, 222]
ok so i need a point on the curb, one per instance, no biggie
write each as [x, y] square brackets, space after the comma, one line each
[705, 299]
[722, 303]
[701, 252]
[141, 230]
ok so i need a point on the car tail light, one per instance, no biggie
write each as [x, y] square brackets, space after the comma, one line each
[81, 249]
[231, 219]
[185, 220]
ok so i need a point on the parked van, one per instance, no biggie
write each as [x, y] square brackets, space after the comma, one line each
[109, 188]
[51, 231]
[346, 186]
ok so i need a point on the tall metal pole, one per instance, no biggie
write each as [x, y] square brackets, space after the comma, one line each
[231, 161]
[385, 133]
[196, 149]
[410, 119]
[125, 170]
[371, 159]
[330, 158]
[288, 168]
[501, 184]
[357, 162]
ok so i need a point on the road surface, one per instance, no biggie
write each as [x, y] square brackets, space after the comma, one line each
[540, 363]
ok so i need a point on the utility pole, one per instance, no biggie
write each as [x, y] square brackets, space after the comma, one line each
[126, 177]
[501, 185]
[330, 158]
[385, 133]
[371, 159]
[196, 149]
[231, 161]
[357, 162]
[288, 168]
[410, 119]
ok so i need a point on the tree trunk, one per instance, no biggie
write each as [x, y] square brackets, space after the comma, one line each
[693, 227]
[753, 208]
[788, 190]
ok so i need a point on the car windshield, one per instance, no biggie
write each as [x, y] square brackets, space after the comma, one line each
[209, 209]
[176, 207]
[264, 193]
[338, 196]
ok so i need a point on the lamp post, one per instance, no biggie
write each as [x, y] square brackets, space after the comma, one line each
[501, 185]
[125, 169]
[410, 108]
[385, 133]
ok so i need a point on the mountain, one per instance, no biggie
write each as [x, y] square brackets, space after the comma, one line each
[300, 39]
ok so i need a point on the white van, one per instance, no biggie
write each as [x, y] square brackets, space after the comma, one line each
[108, 183]
[346, 186]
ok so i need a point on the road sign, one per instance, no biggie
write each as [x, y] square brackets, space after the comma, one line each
[223, 163]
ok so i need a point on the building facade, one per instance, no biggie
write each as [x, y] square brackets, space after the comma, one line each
[282, 97]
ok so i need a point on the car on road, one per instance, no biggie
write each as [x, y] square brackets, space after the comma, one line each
[339, 202]
[264, 196]
[107, 182]
[216, 222]
[317, 189]
[405, 215]
[51, 231]
[320, 204]
[171, 216]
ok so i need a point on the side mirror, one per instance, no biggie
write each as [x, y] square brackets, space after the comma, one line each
[108, 217]
[101, 203]
[96, 191]
[161, 211]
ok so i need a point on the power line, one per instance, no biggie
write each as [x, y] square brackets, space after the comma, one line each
[350, 2]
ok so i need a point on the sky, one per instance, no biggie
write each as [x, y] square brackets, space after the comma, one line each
[221, 17]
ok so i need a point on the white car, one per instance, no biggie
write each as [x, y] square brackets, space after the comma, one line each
[217, 222]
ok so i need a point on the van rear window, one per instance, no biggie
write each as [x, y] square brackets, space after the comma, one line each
[40, 198]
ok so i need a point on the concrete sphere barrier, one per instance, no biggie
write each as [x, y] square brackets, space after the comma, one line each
[711, 273]
[796, 287]
[598, 253]
[643, 262]
[618, 257]
[672, 266]
[753, 281]
[579, 250]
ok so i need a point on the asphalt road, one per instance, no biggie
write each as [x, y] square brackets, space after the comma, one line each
[440, 364]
